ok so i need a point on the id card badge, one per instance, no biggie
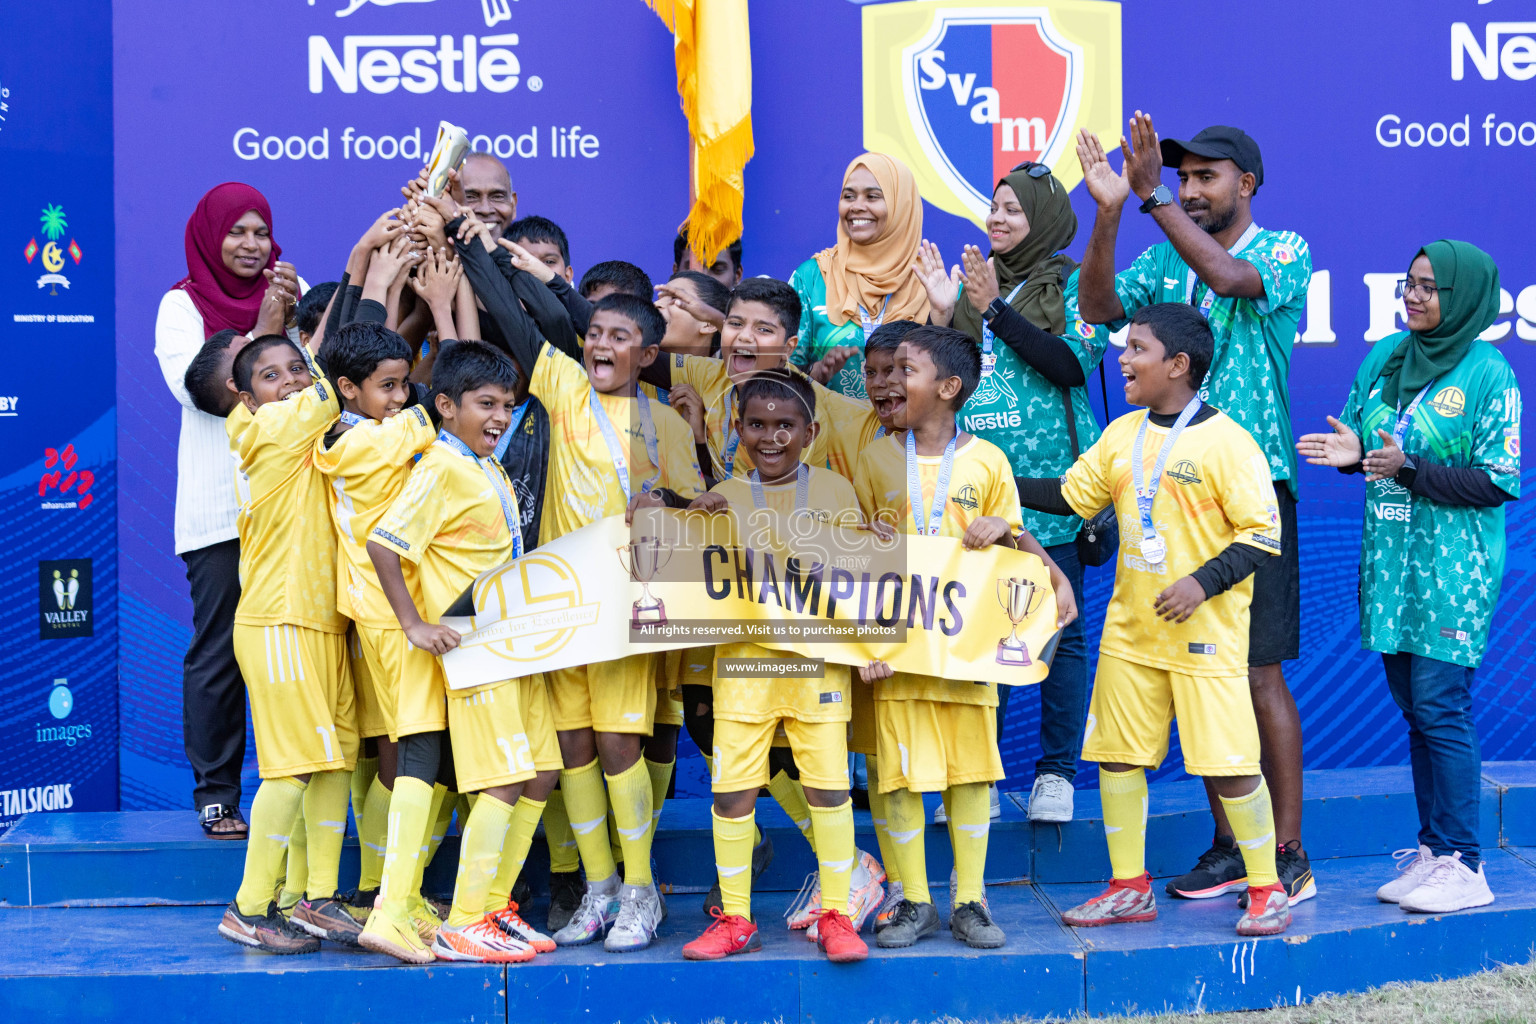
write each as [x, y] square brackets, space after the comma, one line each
[988, 363]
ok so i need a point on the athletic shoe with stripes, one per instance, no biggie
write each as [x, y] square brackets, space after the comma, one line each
[269, 932]
[327, 919]
[480, 942]
[426, 918]
[512, 923]
[1220, 870]
[1268, 913]
[1124, 902]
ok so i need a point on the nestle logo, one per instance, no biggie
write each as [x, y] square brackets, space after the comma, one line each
[1515, 56]
[416, 63]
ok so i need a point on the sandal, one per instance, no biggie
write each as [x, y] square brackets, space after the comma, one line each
[211, 815]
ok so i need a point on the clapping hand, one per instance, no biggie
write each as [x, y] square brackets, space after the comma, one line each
[1340, 449]
[1384, 462]
[281, 296]
[1143, 156]
[979, 278]
[943, 287]
[1109, 189]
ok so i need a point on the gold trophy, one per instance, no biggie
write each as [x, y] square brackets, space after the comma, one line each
[646, 556]
[448, 153]
[1020, 598]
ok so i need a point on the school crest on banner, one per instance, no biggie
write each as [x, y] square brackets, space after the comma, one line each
[965, 91]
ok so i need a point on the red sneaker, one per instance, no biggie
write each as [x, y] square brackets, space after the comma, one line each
[1126, 900]
[837, 939]
[729, 935]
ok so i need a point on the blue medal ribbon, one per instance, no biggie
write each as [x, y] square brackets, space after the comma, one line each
[940, 489]
[802, 488]
[493, 472]
[506, 437]
[616, 450]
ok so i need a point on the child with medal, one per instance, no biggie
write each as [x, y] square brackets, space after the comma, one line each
[1206, 517]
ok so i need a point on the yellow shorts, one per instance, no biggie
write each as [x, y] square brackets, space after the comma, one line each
[502, 733]
[669, 691]
[609, 696]
[1133, 706]
[302, 703]
[740, 760]
[408, 682]
[861, 728]
[927, 746]
[373, 719]
[697, 668]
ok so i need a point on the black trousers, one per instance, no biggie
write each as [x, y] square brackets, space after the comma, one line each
[212, 689]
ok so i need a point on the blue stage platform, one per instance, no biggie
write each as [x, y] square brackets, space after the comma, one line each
[111, 917]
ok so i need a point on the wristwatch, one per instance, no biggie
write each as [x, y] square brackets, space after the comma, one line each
[1161, 196]
[994, 308]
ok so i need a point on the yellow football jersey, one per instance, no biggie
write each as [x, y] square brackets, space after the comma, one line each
[846, 425]
[830, 499]
[367, 467]
[584, 486]
[980, 484]
[1216, 489]
[449, 521]
[287, 560]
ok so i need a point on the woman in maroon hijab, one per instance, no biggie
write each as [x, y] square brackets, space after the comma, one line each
[234, 283]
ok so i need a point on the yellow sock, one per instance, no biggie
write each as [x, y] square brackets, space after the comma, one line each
[410, 816]
[273, 812]
[661, 777]
[906, 820]
[877, 813]
[442, 820]
[362, 778]
[733, 861]
[834, 853]
[1253, 826]
[614, 846]
[969, 809]
[788, 794]
[525, 821]
[586, 802]
[631, 794]
[1124, 796]
[372, 832]
[325, 828]
[295, 863]
[563, 858]
[480, 841]
[432, 835]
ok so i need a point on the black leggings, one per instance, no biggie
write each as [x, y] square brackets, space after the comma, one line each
[699, 720]
[427, 756]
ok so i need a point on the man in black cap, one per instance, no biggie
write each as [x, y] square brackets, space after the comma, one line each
[1251, 286]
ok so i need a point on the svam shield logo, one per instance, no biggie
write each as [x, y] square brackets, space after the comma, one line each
[966, 91]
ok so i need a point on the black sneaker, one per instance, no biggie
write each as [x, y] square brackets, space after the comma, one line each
[1219, 870]
[911, 922]
[327, 919]
[566, 888]
[762, 856]
[270, 932]
[1295, 872]
[972, 925]
[522, 892]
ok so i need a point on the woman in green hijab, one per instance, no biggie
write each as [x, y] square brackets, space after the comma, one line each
[1440, 410]
[1020, 304]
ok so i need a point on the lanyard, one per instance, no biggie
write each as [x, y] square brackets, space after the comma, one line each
[802, 488]
[870, 324]
[352, 419]
[498, 479]
[1405, 416]
[616, 450]
[511, 431]
[940, 489]
[879, 432]
[732, 439]
[988, 359]
[1190, 281]
[1151, 543]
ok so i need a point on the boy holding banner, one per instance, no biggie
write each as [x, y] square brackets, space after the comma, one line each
[935, 735]
[1200, 489]
[776, 423]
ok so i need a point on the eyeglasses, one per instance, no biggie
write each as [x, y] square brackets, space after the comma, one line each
[1034, 170]
[1424, 288]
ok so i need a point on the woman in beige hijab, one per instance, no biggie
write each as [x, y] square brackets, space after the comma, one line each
[864, 280]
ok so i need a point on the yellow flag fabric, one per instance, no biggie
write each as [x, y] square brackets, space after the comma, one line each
[714, 82]
[791, 584]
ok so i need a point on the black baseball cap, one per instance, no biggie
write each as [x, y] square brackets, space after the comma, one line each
[1218, 142]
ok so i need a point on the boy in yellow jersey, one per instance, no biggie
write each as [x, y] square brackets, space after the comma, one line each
[937, 735]
[776, 422]
[1198, 515]
[456, 518]
[612, 450]
[290, 642]
[366, 458]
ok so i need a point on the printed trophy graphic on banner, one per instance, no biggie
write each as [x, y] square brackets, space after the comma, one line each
[448, 152]
[1020, 598]
[643, 558]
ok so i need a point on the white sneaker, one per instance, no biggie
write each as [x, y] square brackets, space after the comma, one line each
[598, 910]
[940, 816]
[865, 895]
[1050, 799]
[804, 908]
[996, 808]
[1412, 867]
[639, 914]
[1449, 886]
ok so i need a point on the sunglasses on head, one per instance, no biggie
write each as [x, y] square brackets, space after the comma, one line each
[1033, 169]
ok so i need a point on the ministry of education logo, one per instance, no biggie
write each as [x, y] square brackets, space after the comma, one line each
[965, 90]
[54, 225]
